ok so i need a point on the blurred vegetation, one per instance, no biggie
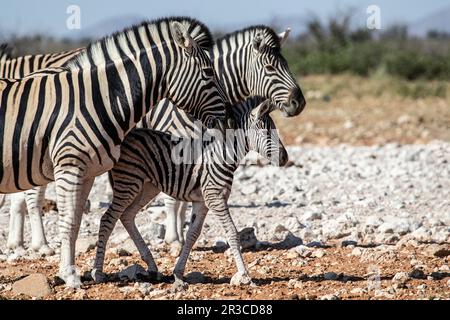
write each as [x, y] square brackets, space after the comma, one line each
[334, 47]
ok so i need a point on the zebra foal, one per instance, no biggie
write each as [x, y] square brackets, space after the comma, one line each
[147, 166]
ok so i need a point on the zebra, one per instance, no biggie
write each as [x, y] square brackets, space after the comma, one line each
[147, 166]
[231, 55]
[30, 201]
[249, 63]
[16, 68]
[67, 125]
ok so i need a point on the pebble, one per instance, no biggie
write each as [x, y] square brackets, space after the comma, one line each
[440, 251]
[348, 243]
[303, 251]
[400, 279]
[86, 244]
[357, 252]
[329, 297]
[312, 215]
[292, 254]
[34, 285]
[357, 291]
[318, 253]
[247, 238]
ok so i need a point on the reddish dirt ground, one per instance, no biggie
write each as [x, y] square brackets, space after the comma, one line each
[277, 274]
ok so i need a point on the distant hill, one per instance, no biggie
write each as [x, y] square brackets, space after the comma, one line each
[439, 21]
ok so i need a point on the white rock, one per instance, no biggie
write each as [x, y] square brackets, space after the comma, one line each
[329, 297]
[400, 278]
[312, 215]
[34, 285]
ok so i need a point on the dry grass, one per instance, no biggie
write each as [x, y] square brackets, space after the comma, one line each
[368, 111]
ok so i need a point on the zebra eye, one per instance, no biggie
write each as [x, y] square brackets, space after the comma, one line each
[209, 72]
[270, 68]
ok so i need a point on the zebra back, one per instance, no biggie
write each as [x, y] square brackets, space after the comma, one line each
[16, 68]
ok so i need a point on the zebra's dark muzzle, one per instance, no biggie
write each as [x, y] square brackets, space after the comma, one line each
[295, 104]
[283, 157]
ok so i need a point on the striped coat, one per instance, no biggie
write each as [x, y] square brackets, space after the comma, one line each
[67, 124]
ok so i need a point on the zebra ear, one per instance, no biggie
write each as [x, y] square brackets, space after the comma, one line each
[283, 36]
[259, 42]
[262, 109]
[181, 36]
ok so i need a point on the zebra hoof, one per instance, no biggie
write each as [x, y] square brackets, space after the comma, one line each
[70, 277]
[99, 276]
[72, 281]
[179, 286]
[45, 250]
[16, 253]
[175, 249]
[240, 279]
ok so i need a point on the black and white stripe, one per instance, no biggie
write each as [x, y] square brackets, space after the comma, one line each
[249, 63]
[67, 124]
[147, 166]
[241, 60]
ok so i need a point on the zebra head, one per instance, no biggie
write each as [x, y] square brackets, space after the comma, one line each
[262, 134]
[192, 83]
[268, 72]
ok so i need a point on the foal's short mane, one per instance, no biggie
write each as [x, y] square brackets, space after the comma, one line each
[114, 44]
[271, 36]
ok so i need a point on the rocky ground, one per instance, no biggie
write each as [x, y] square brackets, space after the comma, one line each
[362, 211]
[341, 222]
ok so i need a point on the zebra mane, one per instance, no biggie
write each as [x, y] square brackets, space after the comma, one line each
[117, 44]
[239, 110]
[5, 52]
[272, 39]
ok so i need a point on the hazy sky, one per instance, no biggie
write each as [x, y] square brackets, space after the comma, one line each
[49, 16]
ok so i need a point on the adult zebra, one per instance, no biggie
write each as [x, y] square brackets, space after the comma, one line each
[31, 200]
[66, 125]
[16, 68]
[249, 63]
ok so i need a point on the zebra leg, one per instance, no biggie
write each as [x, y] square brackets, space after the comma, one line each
[17, 213]
[124, 197]
[174, 225]
[199, 211]
[35, 199]
[176, 216]
[71, 193]
[181, 219]
[217, 203]
[148, 193]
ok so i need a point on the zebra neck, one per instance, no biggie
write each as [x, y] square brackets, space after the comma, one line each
[231, 65]
[227, 154]
[132, 88]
